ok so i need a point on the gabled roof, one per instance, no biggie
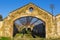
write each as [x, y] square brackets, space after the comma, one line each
[29, 5]
[32, 4]
[57, 16]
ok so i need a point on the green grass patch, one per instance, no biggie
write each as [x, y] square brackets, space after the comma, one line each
[5, 38]
[26, 38]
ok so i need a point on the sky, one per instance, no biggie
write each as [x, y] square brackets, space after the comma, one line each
[7, 6]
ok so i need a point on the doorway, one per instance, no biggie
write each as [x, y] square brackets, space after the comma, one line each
[23, 25]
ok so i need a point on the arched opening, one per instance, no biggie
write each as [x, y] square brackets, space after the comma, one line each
[31, 9]
[29, 25]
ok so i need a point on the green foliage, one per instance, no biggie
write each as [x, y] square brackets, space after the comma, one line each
[5, 38]
[26, 38]
[1, 18]
[18, 35]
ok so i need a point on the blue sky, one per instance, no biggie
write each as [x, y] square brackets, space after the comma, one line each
[6, 6]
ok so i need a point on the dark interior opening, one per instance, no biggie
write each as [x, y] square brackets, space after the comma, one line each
[31, 9]
[38, 29]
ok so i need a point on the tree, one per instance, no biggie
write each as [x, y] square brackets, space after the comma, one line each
[1, 18]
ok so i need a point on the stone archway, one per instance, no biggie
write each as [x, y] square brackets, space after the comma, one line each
[36, 26]
[24, 11]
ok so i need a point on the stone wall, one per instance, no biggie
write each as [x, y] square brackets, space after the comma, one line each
[58, 25]
[21, 12]
[37, 12]
[1, 28]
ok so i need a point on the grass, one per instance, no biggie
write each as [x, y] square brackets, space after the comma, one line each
[29, 37]
[5, 38]
[26, 37]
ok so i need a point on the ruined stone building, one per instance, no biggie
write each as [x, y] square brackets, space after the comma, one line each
[52, 27]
